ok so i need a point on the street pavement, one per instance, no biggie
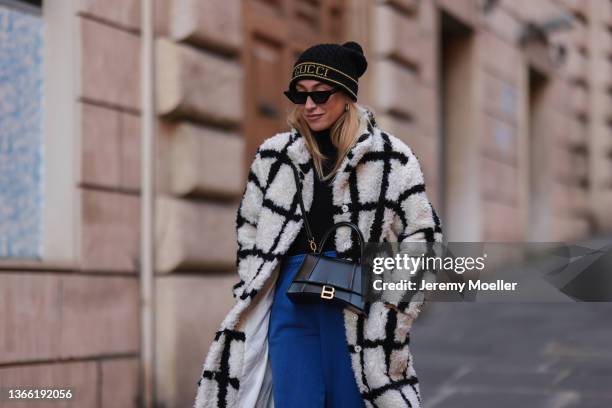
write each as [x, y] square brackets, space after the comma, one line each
[550, 355]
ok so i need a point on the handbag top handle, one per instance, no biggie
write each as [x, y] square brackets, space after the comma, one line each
[311, 240]
[344, 224]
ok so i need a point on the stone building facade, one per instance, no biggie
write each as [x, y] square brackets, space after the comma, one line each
[507, 104]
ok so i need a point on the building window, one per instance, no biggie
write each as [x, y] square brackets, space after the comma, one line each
[21, 129]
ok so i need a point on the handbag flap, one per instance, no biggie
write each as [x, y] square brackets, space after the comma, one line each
[324, 270]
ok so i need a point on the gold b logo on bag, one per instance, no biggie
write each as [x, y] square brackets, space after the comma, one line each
[327, 292]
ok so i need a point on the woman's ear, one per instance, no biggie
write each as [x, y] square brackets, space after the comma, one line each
[346, 99]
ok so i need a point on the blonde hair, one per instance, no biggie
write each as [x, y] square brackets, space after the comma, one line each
[343, 133]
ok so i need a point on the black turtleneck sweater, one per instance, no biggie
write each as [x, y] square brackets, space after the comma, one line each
[320, 216]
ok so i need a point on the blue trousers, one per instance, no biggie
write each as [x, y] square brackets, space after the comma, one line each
[308, 351]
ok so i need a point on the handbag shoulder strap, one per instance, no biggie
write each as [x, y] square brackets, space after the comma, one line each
[298, 184]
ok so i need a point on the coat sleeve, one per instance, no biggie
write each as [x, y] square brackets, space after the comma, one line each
[390, 316]
[416, 220]
[247, 218]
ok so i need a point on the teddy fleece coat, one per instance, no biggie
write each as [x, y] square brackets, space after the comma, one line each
[379, 187]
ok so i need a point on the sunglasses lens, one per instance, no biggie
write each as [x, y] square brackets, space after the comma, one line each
[299, 98]
[320, 97]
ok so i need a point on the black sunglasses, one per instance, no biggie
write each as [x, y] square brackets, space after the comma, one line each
[318, 97]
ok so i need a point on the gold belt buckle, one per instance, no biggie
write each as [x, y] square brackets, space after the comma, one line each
[327, 292]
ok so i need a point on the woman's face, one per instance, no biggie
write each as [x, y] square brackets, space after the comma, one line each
[321, 116]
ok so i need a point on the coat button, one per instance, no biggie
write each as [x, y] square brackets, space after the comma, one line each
[344, 208]
[358, 349]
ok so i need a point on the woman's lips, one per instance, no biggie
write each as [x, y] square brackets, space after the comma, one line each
[313, 117]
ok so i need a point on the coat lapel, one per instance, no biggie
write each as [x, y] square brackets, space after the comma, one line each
[298, 153]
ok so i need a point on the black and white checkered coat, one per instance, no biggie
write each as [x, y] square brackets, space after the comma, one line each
[380, 188]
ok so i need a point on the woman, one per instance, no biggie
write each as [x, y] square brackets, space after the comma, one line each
[269, 351]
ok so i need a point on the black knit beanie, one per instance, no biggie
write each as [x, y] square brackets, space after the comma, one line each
[338, 65]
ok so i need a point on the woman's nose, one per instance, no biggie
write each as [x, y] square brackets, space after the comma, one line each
[310, 103]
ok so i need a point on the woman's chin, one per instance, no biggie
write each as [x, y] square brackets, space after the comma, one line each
[317, 125]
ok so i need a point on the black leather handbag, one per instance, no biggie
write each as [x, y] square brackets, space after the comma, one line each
[325, 278]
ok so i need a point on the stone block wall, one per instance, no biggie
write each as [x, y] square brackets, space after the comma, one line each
[200, 178]
[75, 324]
